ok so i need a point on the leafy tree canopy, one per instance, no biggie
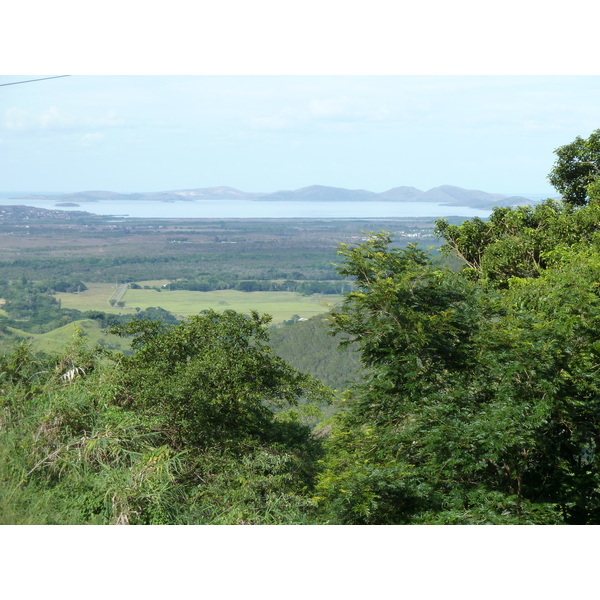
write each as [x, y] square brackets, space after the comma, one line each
[519, 242]
[577, 169]
[482, 402]
[210, 379]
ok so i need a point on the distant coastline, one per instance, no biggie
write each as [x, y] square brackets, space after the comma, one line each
[447, 195]
[244, 209]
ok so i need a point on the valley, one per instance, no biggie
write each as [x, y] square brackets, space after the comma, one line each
[64, 272]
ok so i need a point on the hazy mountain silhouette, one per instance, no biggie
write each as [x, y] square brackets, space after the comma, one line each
[448, 195]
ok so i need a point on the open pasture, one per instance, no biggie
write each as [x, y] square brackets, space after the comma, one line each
[280, 305]
[96, 297]
[182, 303]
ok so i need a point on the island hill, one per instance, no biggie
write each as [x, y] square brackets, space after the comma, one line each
[447, 195]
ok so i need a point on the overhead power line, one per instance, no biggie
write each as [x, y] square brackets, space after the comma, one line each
[30, 80]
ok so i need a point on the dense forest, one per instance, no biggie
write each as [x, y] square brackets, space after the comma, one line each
[475, 395]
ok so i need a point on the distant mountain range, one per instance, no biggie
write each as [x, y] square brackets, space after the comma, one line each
[447, 195]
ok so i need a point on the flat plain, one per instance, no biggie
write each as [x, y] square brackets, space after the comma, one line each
[182, 303]
[105, 253]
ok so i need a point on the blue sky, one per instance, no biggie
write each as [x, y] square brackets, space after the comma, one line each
[260, 98]
[266, 133]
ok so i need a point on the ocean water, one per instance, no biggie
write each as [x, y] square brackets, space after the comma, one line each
[250, 209]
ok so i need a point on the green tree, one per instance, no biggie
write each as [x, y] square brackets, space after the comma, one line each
[519, 242]
[211, 378]
[414, 326]
[481, 405]
[576, 168]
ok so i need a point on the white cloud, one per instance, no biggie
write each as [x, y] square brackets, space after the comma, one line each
[22, 120]
[347, 110]
[91, 139]
[271, 122]
[331, 108]
[328, 114]
[53, 119]
[111, 119]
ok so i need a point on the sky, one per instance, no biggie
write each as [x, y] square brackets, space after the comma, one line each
[266, 96]
[266, 133]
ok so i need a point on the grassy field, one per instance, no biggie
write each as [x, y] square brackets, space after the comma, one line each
[280, 305]
[57, 340]
[96, 297]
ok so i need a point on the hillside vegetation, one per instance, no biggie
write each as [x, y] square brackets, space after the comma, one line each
[311, 348]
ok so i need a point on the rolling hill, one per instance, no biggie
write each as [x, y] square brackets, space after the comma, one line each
[445, 194]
